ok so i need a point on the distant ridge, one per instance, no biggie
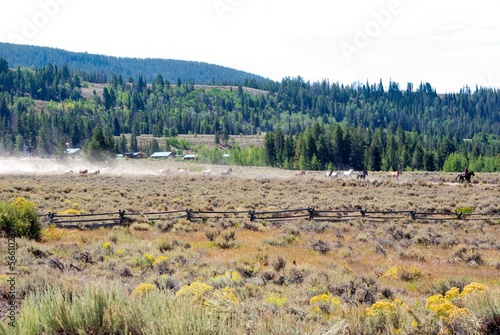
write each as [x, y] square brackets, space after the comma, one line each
[101, 66]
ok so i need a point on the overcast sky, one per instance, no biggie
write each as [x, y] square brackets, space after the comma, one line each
[448, 43]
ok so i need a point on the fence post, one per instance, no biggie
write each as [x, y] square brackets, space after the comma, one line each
[122, 216]
[189, 214]
[363, 212]
[311, 213]
[51, 216]
[413, 215]
[252, 215]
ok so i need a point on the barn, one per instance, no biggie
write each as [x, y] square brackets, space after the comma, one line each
[162, 154]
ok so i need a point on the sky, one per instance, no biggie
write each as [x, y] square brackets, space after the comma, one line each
[447, 43]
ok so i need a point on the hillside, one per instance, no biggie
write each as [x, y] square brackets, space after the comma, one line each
[97, 68]
[307, 126]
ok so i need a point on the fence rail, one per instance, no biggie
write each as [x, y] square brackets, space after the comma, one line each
[123, 218]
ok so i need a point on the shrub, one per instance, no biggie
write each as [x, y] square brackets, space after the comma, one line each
[52, 233]
[20, 219]
[212, 234]
[279, 264]
[143, 288]
[469, 255]
[321, 247]
[166, 245]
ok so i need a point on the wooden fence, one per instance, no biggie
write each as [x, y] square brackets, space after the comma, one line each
[96, 220]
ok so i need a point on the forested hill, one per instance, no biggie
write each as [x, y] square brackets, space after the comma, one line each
[308, 125]
[97, 68]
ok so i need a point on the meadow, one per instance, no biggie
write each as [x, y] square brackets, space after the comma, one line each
[230, 275]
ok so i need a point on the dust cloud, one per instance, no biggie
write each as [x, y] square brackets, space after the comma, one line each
[135, 167]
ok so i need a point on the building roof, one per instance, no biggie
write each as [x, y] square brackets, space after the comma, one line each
[161, 154]
[72, 151]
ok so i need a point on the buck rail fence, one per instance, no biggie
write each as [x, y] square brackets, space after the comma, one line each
[123, 218]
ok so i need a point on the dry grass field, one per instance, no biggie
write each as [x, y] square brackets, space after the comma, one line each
[281, 268]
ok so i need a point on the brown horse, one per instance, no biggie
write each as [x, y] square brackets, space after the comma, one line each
[84, 171]
[301, 173]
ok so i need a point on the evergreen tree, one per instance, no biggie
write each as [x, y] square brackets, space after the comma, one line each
[270, 148]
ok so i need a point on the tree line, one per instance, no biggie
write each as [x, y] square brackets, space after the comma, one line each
[307, 125]
[97, 68]
[338, 147]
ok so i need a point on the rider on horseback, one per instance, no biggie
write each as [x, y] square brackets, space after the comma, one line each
[466, 171]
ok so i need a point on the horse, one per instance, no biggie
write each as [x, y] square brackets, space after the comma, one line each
[179, 170]
[163, 171]
[466, 176]
[395, 175]
[227, 172]
[85, 171]
[208, 171]
[301, 173]
[68, 172]
[348, 174]
[362, 175]
[332, 174]
[95, 172]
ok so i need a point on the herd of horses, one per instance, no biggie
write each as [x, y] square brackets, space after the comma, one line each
[225, 172]
[461, 178]
[83, 172]
[349, 174]
[346, 174]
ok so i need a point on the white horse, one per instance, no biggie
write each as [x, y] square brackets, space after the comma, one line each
[395, 175]
[163, 171]
[207, 171]
[179, 170]
[348, 174]
[227, 172]
[332, 174]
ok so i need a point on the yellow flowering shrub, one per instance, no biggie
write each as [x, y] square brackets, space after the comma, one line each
[236, 277]
[143, 288]
[149, 259]
[52, 233]
[444, 308]
[22, 202]
[472, 287]
[405, 273]
[384, 307]
[160, 260]
[106, 245]
[20, 218]
[197, 290]
[227, 279]
[325, 303]
[120, 252]
[74, 210]
[390, 273]
[452, 293]
[276, 299]
[225, 295]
